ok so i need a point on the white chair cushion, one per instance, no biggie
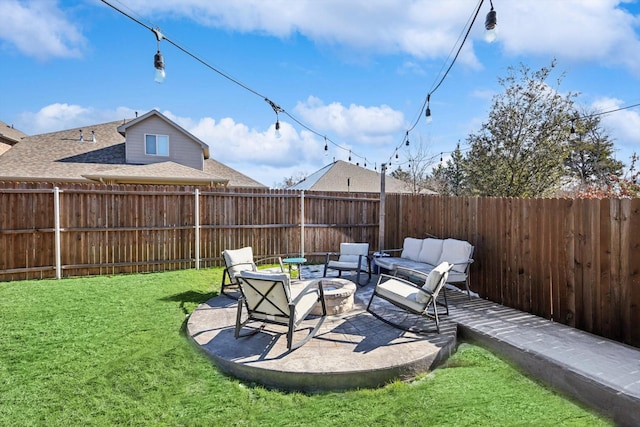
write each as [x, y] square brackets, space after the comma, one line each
[267, 275]
[350, 254]
[239, 260]
[279, 296]
[411, 248]
[431, 251]
[400, 292]
[456, 251]
[433, 279]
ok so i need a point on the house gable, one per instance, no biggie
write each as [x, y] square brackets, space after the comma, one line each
[181, 147]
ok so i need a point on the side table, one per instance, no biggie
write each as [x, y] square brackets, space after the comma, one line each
[297, 262]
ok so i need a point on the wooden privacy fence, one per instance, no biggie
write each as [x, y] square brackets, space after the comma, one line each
[576, 261]
[80, 230]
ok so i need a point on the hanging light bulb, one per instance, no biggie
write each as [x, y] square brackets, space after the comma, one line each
[572, 132]
[158, 60]
[490, 25]
[349, 155]
[158, 63]
[365, 162]
[441, 157]
[427, 113]
[407, 143]
[326, 146]
[276, 109]
[278, 134]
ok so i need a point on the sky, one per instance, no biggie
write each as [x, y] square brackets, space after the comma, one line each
[351, 75]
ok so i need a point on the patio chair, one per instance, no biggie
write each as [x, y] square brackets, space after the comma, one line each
[352, 257]
[239, 260]
[270, 298]
[412, 298]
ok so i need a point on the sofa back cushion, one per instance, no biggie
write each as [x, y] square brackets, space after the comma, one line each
[456, 251]
[431, 251]
[411, 248]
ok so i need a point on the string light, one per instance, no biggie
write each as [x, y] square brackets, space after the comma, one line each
[160, 69]
[490, 25]
[158, 60]
[159, 63]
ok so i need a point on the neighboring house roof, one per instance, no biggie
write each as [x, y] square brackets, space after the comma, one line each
[9, 135]
[344, 176]
[63, 157]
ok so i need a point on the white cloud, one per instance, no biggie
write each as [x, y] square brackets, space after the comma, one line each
[355, 123]
[38, 28]
[60, 116]
[232, 142]
[623, 126]
[421, 28]
[581, 30]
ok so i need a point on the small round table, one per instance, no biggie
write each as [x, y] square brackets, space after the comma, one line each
[338, 296]
[295, 261]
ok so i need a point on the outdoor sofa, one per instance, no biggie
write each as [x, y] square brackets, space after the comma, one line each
[423, 255]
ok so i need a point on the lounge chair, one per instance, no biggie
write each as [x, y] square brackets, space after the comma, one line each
[352, 257]
[411, 297]
[269, 298]
[239, 260]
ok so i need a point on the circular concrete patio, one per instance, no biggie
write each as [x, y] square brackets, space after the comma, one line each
[351, 349]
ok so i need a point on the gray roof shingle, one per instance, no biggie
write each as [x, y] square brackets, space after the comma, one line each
[347, 177]
[63, 157]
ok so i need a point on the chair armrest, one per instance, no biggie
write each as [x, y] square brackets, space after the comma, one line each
[271, 258]
[466, 262]
[316, 283]
[391, 250]
[329, 255]
[410, 272]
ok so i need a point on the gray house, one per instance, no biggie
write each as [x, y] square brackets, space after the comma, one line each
[150, 149]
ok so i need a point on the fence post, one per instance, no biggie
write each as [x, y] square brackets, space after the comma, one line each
[197, 221]
[56, 215]
[302, 223]
[383, 207]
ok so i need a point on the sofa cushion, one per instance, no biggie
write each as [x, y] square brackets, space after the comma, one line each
[431, 251]
[456, 251]
[411, 248]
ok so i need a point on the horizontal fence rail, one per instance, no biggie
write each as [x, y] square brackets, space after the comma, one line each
[576, 261]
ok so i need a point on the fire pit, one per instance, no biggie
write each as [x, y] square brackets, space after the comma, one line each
[338, 296]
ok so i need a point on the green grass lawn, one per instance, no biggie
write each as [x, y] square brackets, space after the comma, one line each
[109, 351]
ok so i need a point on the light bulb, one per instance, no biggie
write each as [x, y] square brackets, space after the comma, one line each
[158, 63]
[278, 134]
[490, 35]
[428, 115]
[490, 25]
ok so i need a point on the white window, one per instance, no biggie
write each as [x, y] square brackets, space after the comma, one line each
[156, 145]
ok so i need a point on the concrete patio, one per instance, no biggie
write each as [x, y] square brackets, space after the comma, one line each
[356, 350]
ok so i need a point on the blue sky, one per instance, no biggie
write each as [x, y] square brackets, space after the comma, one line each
[354, 71]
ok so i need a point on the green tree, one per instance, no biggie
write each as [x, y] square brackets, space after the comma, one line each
[450, 178]
[590, 160]
[520, 150]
